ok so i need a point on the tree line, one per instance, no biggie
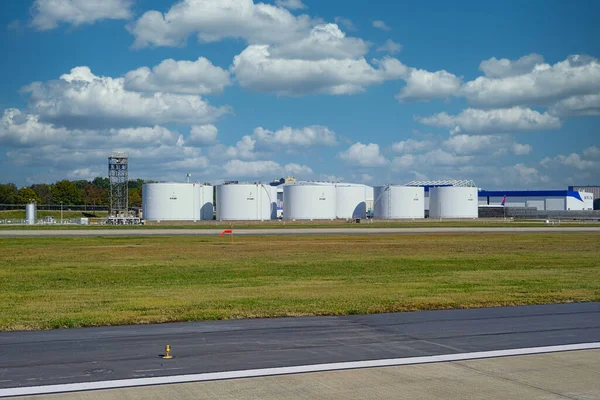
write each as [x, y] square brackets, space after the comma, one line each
[80, 192]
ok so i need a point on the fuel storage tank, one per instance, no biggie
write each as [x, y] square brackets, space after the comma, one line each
[399, 202]
[309, 200]
[30, 213]
[370, 200]
[351, 200]
[246, 202]
[453, 202]
[177, 201]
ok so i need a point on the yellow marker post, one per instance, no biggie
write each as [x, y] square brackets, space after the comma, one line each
[168, 351]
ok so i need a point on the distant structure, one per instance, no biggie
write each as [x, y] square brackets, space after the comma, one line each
[118, 176]
[287, 179]
[593, 189]
[445, 182]
[451, 200]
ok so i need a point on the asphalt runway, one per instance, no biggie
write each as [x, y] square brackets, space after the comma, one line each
[129, 352]
[288, 231]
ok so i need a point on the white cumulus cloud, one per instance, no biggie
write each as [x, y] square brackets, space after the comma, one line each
[297, 170]
[304, 137]
[544, 85]
[188, 164]
[28, 142]
[263, 169]
[412, 145]
[256, 69]
[424, 85]
[432, 158]
[363, 155]
[520, 149]
[291, 4]
[143, 136]
[381, 25]
[186, 77]
[82, 99]
[346, 23]
[592, 152]
[244, 149]
[323, 42]
[213, 20]
[251, 169]
[573, 160]
[202, 135]
[403, 162]
[47, 14]
[577, 106]
[502, 68]
[522, 174]
[390, 47]
[485, 144]
[503, 120]
[20, 129]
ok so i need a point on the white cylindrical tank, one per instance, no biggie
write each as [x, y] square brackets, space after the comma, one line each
[351, 200]
[399, 202]
[453, 202]
[30, 213]
[207, 202]
[246, 202]
[272, 201]
[370, 200]
[309, 201]
[177, 201]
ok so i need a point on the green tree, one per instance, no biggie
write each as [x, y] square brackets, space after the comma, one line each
[43, 191]
[26, 195]
[135, 197]
[80, 184]
[8, 193]
[95, 195]
[66, 192]
[101, 182]
[135, 184]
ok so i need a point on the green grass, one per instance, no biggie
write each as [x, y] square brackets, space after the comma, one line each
[425, 223]
[90, 281]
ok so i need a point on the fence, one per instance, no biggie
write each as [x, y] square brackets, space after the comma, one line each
[534, 213]
[55, 207]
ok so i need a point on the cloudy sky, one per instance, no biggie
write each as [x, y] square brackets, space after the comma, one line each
[504, 93]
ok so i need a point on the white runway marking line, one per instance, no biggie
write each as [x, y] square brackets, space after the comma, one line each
[253, 373]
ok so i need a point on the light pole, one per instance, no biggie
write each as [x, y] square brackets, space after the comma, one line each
[61, 213]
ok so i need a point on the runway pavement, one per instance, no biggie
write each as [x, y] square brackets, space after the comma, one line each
[564, 375]
[129, 352]
[289, 231]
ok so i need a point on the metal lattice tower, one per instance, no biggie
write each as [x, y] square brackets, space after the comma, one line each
[118, 177]
[445, 182]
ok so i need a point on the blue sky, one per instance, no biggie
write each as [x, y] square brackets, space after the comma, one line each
[506, 94]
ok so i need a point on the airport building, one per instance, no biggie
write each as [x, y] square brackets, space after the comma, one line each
[542, 200]
[593, 189]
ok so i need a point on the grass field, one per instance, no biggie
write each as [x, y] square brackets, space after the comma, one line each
[74, 282]
[424, 223]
